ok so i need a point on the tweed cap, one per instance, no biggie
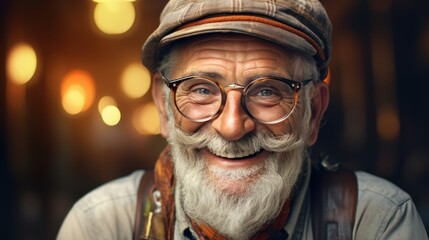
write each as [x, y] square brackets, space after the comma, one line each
[301, 25]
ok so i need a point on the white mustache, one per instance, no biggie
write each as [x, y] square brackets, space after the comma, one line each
[250, 144]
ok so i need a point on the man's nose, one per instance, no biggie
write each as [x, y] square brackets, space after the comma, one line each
[233, 123]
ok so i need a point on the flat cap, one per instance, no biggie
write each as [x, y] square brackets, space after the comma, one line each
[301, 25]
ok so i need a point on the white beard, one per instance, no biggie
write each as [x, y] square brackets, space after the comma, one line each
[264, 187]
[238, 214]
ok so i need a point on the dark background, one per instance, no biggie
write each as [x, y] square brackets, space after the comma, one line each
[376, 122]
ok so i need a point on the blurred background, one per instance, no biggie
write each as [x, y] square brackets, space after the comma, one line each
[75, 111]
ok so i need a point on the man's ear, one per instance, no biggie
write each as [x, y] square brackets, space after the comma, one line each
[319, 104]
[160, 102]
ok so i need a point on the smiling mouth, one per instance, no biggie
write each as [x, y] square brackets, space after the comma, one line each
[242, 154]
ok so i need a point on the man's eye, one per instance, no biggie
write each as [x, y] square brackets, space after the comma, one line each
[265, 93]
[204, 91]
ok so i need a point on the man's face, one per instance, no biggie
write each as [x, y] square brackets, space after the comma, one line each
[235, 59]
[229, 169]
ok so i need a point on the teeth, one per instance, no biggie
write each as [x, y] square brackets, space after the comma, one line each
[231, 155]
[247, 153]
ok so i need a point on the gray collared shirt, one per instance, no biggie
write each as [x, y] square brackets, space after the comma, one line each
[383, 212]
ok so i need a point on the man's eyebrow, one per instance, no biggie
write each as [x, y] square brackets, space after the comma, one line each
[211, 75]
[254, 77]
[271, 75]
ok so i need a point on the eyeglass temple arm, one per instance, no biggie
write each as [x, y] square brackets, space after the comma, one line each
[165, 80]
[172, 84]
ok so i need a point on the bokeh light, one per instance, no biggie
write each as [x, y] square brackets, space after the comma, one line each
[111, 115]
[114, 16]
[104, 102]
[74, 99]
[109, 111]
[21, 63]
[146, 120]
[77, 91]
[135, 81]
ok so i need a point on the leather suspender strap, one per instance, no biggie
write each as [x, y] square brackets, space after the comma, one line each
[333, 204]
[143, 192]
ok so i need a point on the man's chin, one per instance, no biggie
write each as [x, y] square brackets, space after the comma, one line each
[233, 182]
[232, 187]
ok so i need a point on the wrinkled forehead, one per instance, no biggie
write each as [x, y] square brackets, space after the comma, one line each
[257, 49]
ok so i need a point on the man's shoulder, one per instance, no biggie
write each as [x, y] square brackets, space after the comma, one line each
[118, 191]
[104, 213]
[385, 211]
[374, 187]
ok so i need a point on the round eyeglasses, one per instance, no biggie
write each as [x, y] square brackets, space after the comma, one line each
[268, 100]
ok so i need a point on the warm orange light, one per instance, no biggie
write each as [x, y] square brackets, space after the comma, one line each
[327, 79]
[21, 63]
[111, 115]
[104, 102]
[146, 119]
[108, 110]
[114, 16]
[135, 81]
[74, 99]
[77, 91]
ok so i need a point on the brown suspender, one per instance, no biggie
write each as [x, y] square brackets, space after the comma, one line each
[333, 204]
[143, 195]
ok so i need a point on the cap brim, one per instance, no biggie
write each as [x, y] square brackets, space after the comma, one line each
[256, 29]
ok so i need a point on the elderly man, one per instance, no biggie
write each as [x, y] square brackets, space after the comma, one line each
[240, 92]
